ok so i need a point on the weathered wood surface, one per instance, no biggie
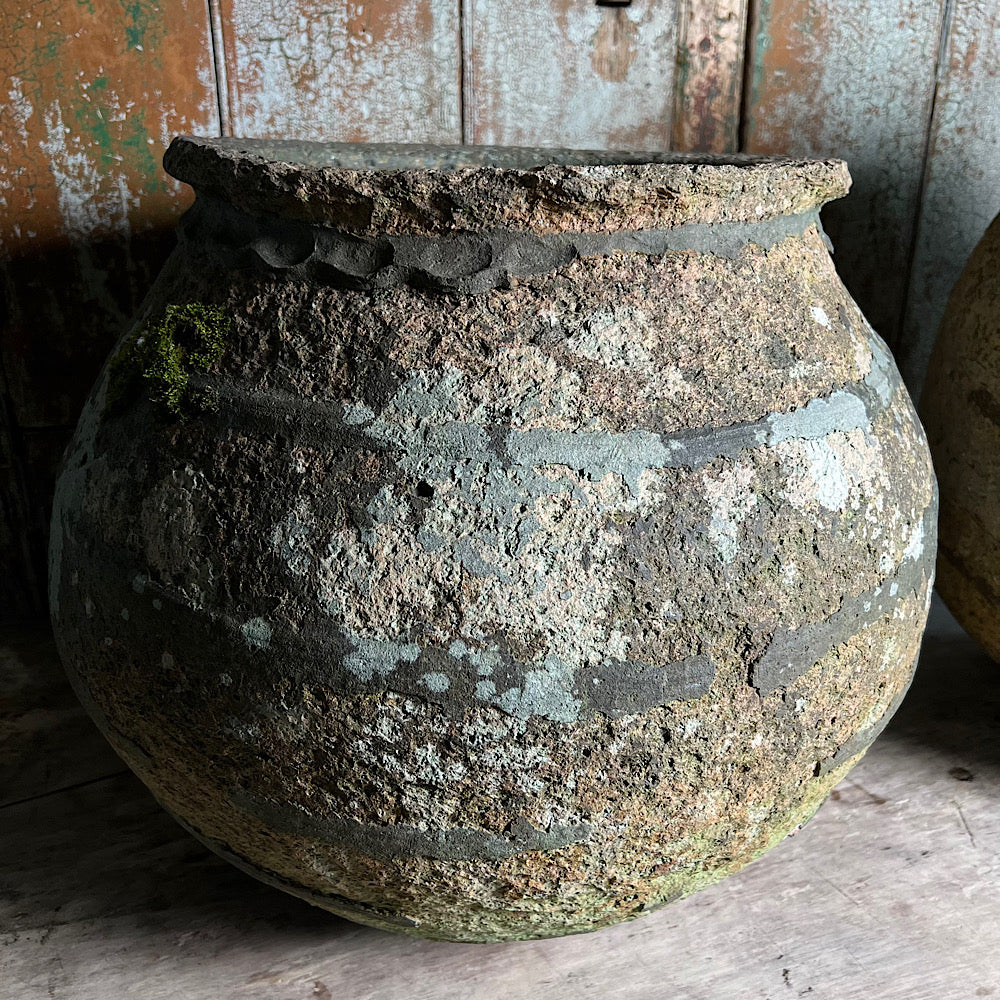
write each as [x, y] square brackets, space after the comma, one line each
[91, 92]
[47, 741]
[961, 192]
[708, 90]
[839, 78]
[891, 892]
[353, 72]
[564, 73]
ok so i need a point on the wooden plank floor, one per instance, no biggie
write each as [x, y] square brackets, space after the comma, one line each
[892, 891]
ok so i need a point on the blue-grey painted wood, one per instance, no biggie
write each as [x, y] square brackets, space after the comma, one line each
[961, 191]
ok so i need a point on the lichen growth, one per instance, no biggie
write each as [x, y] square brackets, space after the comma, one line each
[163, 354]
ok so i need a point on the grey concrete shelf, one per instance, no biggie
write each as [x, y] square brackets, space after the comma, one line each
[891, 893]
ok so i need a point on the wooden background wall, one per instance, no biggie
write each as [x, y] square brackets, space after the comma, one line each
[908, 91]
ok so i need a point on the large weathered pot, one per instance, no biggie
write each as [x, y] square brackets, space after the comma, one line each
[490, 543]
[961, 407]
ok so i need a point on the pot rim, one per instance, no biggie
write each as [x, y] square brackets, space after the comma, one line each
[382, 188]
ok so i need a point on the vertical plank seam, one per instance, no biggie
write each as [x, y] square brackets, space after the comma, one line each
[461, 71]
[677, 112]
[940, 70]
[219, 64]
[749, 67]
[465, 71]
[708, 90]
[741, 75]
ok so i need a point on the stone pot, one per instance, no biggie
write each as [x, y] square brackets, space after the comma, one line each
[488, 543]
[961, 407]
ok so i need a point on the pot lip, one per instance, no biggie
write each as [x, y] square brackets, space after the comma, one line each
[380, 188]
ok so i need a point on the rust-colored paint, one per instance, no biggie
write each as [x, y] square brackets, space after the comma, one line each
[709, 87]
[355, 72]
[835, 78]
[566, 73]
[92, 90]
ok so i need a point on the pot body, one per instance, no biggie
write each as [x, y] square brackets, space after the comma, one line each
[961, 407]
[494, 576]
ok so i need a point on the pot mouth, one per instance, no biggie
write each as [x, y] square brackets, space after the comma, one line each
[400, 188]
[388, 156]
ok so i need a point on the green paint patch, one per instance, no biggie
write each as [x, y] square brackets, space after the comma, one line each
[161, 357]
[142, 25]
[135, 143]
[92, 120]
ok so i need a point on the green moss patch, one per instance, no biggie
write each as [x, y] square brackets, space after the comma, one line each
[162, 355]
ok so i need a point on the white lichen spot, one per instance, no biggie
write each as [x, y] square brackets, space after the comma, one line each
[290, 537]
[436, 682]
[139, 583]
[789, 573]
[820, 316]
[617, 645]
[433, 769]
[546, 692]
[373, 657]
[832, 471]
[731, 500]
[257, 633]
[619, 337]
[357, 413]
[915, 542]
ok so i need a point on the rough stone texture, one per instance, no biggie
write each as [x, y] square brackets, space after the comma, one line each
[961, 407]
[512, 612]
[382, 188]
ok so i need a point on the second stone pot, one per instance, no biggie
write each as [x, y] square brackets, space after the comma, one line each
[491, 544]
[961, 407]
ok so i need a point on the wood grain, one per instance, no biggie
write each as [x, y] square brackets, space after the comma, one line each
[708, 92]
[93, 89]
[47, 742]
[565, 73]
[375, 71]
[837, 78]
[889, 892]
[962, 187]
[92, 95]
